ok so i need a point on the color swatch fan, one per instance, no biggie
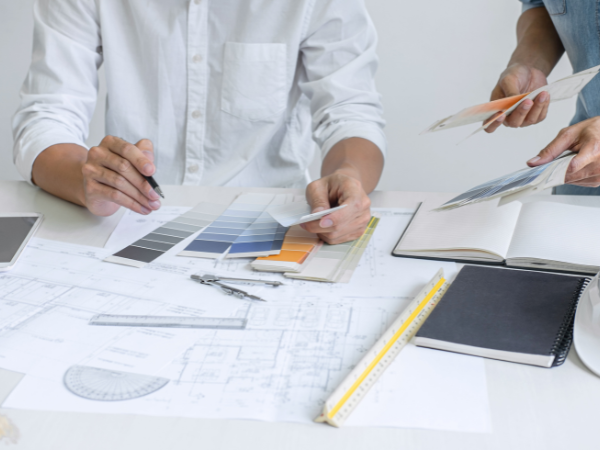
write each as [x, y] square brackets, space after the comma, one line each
[93, 383]
[244, 229]
[515, 185]
[164, 238]
[488, 112]
[336, 263]
[299, 246]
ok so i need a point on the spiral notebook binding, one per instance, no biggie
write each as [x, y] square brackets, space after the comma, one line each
[564, 337]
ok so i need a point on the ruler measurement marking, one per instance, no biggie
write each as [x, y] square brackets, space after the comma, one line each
[384, 351]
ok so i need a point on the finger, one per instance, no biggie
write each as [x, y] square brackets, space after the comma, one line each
[544, 112]
[131, 153]
[584, 164]
[105, 158]
[340, 236]
[509, 86]
[539, 104]
[497, 93]
[332, 222]
[147, 148]
[99, 193]
[516, 118]
[496, 123]
[349, 192]
[565, 139]
[317, 195]
[329, 223]
[588, 176]
[118, 182]
[592, 182]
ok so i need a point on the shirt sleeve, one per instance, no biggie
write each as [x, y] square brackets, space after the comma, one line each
[59, 94]
[530, 4]
[339, 57]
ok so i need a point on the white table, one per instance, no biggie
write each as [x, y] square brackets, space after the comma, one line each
[532, 408]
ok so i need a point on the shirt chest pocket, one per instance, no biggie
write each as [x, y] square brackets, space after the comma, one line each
[254, 80]
[556, 7]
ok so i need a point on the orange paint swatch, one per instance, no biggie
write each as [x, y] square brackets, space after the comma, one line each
[287, 256]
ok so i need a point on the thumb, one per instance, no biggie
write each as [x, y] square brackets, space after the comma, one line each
[562, 142]
[317, 195]
[510, 86]
[497, 93]
[145, 145]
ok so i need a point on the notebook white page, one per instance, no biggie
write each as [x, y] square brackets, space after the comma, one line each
[557, 232]
[482, 226]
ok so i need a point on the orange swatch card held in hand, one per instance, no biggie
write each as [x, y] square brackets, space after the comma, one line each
[487, 112]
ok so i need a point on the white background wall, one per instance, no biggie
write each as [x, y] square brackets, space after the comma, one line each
[437, 56]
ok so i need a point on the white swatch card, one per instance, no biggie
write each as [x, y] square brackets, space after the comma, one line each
[297, 213]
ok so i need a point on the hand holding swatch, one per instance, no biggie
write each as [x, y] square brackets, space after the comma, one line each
[559, 90]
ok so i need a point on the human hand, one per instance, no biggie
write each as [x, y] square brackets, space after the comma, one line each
[584, 139]
[112, 177]
[519, 79]
[344, 225]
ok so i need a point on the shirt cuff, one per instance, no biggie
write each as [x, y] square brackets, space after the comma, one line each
[29, 147]
[360, 130]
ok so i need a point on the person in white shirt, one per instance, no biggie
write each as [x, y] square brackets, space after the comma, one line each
[204, 92]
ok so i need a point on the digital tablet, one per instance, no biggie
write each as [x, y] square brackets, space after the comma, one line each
[15, 231]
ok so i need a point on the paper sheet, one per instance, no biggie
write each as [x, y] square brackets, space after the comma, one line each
[298, 346]
[298, 212]
[449, 390]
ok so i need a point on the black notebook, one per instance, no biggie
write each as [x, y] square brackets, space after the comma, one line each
[512, 315]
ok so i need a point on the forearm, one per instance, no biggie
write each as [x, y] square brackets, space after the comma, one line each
[57, 170]
[538, 43]
[355, 157]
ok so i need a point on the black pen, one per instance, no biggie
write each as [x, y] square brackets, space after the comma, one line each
[154, 185]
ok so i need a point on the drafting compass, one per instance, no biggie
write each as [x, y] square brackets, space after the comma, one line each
[216, 281]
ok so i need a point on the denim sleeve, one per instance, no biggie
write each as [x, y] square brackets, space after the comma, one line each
[529, 4]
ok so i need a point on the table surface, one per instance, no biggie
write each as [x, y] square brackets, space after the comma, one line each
[531, 407]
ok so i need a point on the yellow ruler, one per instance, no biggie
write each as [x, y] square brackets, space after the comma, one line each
[355, 386]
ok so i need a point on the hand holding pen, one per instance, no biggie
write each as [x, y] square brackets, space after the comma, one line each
[118, 173]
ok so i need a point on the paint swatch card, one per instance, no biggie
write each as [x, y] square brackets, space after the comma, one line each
[164, 238]
[299, 246]
[297, 213]
[336, 263]
[263, 237]
[244, 229]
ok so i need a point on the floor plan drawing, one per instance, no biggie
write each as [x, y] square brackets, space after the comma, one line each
[295, 349]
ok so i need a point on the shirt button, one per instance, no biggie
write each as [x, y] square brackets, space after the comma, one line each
[193, 168]
[197, 58]
[196, 114]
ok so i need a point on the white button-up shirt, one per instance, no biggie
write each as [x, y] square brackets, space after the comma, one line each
[231, 92]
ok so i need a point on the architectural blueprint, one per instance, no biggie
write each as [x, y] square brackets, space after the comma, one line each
[297, 346]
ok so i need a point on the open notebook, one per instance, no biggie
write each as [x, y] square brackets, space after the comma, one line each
[540, 235]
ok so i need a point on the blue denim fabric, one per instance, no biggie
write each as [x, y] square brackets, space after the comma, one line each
[579, 29]
[569, 189]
